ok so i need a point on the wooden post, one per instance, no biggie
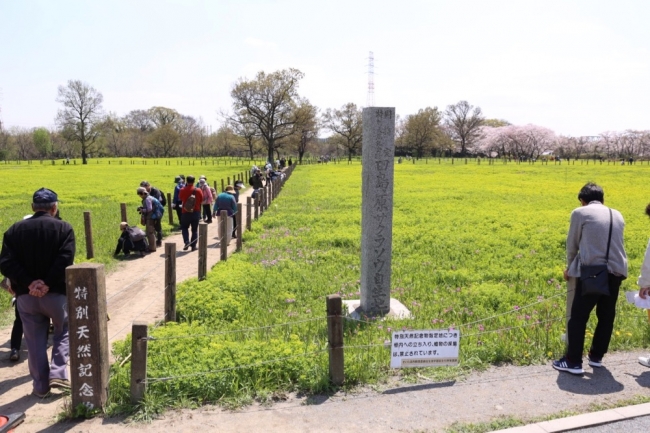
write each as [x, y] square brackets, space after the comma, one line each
[90, 251]
[86, 297]
[228, 181]
[139, 334]
[223, 238]
[203, 250]
[249, 204]
[335, 337]
[223, 188]
[169, 209]
[257, 205]
[215, 183]
[123, 212]
[170, 282]
[239, 227]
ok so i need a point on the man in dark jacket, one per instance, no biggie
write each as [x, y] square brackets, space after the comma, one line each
[35, 253]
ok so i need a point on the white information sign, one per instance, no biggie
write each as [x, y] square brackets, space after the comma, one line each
[426, 348]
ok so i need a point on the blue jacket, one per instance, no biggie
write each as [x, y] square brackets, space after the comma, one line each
[226, 201]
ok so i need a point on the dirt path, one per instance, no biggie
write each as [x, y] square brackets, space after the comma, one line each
[134, 290]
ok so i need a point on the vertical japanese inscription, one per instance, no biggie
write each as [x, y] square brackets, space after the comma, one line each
[88, 334]
[377, 208]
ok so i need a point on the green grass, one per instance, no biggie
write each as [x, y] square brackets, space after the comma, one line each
[469, 242]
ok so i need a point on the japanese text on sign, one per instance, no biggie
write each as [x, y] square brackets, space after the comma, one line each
[430, 348]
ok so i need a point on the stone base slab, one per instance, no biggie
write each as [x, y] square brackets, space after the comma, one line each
[397, 309]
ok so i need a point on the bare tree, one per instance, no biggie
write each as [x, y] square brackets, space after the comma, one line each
[346, 123]
[114, 132]
[269, 102]
[464, 123]
[81, 115]
[306, 127]
[245, 127]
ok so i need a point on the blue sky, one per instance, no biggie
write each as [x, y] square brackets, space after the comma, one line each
[577, 67]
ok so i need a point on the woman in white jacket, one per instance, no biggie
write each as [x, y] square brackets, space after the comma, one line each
[644, 285]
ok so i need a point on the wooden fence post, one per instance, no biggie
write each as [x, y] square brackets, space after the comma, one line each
[228, 181]
[249, 204]
[223, 188]
[256, 207]
[86, 297]
[90, 251]
[169, 209]
[170, 282]
[203, 250]
[123, 212]
[139, 335]
[335, 337]
[239, 227]
[224, 235]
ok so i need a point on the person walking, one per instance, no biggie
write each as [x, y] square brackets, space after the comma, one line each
[191, 198]
[588, 244]
[176, 201]
[151, 213]
[207, 200]
[34, 255]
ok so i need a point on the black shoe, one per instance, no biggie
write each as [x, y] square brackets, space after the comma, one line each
[186, 247]
[159, 243]
[14, 356]
[595, 362]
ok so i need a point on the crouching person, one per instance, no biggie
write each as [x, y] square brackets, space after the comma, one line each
[132, 239]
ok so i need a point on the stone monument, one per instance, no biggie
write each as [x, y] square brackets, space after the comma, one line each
[378, 151]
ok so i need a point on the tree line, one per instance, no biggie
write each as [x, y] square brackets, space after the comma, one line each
[269, 118]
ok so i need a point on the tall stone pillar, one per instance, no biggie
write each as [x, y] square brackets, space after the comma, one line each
[377, 208]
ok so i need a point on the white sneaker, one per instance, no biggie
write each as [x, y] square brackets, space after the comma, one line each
[644, 361]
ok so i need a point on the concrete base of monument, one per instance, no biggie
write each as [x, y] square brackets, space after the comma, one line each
[397, 309]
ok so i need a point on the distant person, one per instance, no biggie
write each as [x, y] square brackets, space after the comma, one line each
[192, 198]
[131, 239]
[35, 253]
[160, 196]
[151, 213]
[255, 181]
[176, 201]
[226, 201]
[239, 185]
[644, 285]
[207, 201]
[290, 162]
[587, 244]
[283, 163]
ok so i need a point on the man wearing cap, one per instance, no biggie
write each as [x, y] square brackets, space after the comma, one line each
[190, 218]
[176, 202]
[35, 253]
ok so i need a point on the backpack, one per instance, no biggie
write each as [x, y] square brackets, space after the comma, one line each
[136, 234]
[160, 196]
[188, 206]
[158, 209]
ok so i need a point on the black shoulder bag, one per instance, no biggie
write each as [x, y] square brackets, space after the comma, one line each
[595, 278]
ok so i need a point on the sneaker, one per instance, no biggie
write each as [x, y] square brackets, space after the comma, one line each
[644, 361]
[41, 394]
[15, 355]
[186, 247]
[60, 383]
[570, 367]
[595, 362]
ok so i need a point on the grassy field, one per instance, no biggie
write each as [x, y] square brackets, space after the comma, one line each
[98, 188]
[475, 247]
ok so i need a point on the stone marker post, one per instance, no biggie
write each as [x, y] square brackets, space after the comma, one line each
[378, 150]
[86, 292]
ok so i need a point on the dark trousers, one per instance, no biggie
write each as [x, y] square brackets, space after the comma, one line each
[179, 211]
[580, 311]
[234, 225]
[190, 220]
[207, 213]
[17, 331]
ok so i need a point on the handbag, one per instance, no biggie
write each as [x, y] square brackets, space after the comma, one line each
[595, 278]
